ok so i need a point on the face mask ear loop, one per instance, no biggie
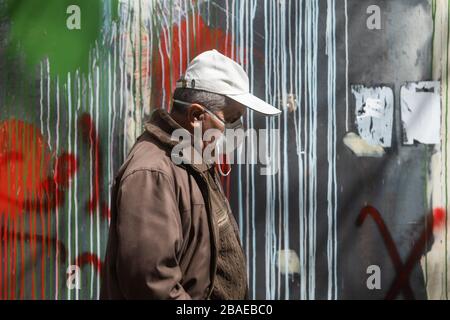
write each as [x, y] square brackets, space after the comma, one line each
[222, 173]
[219, 168]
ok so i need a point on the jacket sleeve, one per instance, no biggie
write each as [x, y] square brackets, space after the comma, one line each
[149, 237]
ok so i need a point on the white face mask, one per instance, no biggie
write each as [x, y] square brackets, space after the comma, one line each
[223, 146]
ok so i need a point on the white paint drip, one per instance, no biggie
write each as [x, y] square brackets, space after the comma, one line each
[91, 188]
[57, 207]
[69, 150]
[76, 172]
[346, 69]
[332, 187]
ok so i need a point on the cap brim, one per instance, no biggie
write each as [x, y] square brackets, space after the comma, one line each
[254, 103]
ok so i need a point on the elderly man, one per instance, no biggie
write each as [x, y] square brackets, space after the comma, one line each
[172, 233]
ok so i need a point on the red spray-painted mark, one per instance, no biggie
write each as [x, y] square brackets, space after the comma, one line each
[89, 259]
[90, 136]
[23, 171]
[416, 253]
[434, 221]
[26, 189]
[388, 242]
[65, 168]
[10, 156]
[439, 217]
[190, 37]
[41, 240]
[24, 162]
[49, 193]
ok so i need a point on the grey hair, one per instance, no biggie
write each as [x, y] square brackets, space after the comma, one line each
[212, 101]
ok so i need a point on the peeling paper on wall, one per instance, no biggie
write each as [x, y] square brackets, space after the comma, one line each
[374, 114]
[421, 112]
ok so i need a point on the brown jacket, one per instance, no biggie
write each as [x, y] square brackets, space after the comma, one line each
[164, 240]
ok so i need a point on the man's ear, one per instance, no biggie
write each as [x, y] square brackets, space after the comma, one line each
[195, 113]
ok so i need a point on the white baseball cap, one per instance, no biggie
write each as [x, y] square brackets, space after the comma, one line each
[216, 73]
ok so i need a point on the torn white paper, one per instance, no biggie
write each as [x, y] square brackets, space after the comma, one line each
[374, 114]
[373, 108]
[421, 112]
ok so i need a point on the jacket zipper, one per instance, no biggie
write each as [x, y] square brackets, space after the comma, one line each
[229, 212]
[213, 231]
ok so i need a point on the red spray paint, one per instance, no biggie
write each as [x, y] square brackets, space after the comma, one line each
[434, 221]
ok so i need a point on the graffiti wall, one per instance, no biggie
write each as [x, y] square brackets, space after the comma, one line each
[358, 208]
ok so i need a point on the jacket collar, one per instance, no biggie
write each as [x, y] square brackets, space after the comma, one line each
[161, 126]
